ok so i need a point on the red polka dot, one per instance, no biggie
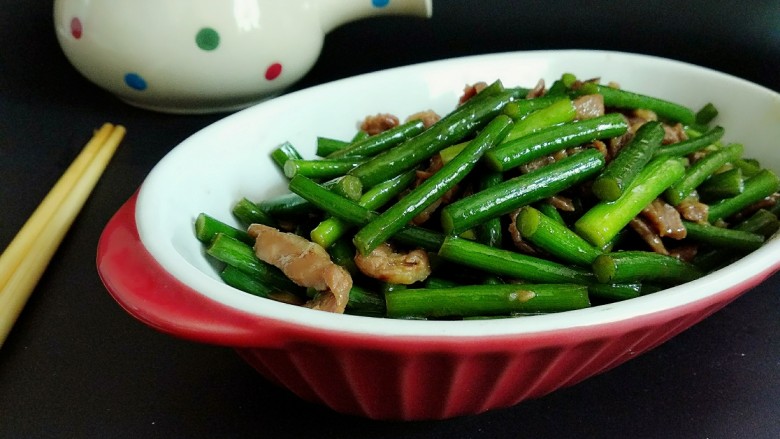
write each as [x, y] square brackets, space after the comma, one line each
[273, 71]
[76, 29]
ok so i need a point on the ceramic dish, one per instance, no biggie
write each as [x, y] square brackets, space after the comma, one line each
[390, 369]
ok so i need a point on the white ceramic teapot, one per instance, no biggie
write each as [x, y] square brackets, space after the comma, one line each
[199, 56]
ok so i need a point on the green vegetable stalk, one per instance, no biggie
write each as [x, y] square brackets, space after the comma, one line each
[519, 191]
[398, 215]
[606, 219]
[486, 300]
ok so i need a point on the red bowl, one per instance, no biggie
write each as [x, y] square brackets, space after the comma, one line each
[151, 263]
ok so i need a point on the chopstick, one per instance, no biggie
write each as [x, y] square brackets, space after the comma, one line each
[25, 259]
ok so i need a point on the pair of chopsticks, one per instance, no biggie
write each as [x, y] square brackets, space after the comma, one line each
[25, 259]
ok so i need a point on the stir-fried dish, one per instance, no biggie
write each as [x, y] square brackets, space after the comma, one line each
[518, 202]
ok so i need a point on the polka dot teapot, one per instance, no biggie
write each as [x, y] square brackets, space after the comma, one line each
[201, 56]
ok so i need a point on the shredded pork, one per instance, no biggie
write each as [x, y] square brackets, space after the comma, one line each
[428, 117]
[685, 252]
[694, 210]
[589, 106]
[674, 133]
[379, 123]
[305, 263]
[387, 265]
[615, 144]
[435, 164]
[517, 238]
[646, 232]
[538, 90]
[561, 202]
[469, 91]
[665, 219]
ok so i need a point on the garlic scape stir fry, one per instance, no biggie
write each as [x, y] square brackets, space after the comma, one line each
[517, 202]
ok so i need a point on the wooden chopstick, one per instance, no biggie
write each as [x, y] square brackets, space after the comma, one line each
[25, 259]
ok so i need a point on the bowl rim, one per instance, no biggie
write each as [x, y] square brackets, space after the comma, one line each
[741, 275]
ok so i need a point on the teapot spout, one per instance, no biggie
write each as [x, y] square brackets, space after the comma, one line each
[334, 13]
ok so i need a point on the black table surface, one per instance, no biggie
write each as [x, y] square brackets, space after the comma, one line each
[76, 365]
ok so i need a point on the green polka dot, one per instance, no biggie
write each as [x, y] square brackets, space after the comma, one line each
[207, 39]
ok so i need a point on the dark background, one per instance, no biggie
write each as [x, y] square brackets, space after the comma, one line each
[76, 365]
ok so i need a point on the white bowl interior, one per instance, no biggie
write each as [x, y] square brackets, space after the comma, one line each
[228, 160]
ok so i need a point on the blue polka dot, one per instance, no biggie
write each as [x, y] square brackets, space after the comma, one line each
[135, 81]
[380, 3]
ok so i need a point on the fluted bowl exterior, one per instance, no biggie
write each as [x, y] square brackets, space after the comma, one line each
[417, 379]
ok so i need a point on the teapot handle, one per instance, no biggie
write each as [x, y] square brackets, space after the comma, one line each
[334, 13]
